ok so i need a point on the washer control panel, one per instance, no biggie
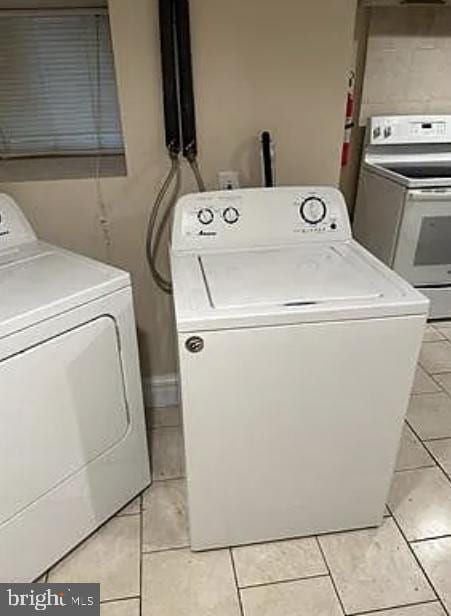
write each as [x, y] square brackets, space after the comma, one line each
[313, 210]
[212, 215]
[14, 227]
[260, 217]
[319, 215]
[207, 215]
[231, 215]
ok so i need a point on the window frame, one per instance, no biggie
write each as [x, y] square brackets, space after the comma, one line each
[117, 165]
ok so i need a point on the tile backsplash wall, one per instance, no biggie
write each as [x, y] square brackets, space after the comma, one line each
[408, 66]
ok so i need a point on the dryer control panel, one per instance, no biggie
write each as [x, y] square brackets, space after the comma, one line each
[14, 227]
[260, 217]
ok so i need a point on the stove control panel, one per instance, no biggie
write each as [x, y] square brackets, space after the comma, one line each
[260, 217]
[404, 130]
[14, 227]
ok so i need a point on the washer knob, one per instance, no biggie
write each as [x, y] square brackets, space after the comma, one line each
[205, 216]
[231, 215]
[313, 210]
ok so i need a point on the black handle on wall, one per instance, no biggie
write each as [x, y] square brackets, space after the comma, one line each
[267, 159]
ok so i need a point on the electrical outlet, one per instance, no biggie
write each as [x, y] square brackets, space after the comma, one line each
[229, 180]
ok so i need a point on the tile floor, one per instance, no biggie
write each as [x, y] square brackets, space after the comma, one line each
[142, 560]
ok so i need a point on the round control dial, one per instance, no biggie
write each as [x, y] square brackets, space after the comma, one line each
[231, 215]
[313, 210]
[205, 216]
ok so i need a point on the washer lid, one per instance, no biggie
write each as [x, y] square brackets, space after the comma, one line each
[39, 281]
[288, 277]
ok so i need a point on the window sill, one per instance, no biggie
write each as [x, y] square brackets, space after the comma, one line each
[62, 168]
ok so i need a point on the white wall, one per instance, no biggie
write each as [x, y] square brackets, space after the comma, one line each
[408, 67]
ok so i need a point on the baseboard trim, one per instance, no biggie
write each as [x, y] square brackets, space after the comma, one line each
[161, 391]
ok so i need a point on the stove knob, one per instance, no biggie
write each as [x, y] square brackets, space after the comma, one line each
[205, 216]
[313, 210]
[231, 215]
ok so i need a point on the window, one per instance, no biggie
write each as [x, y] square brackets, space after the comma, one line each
[58, 92]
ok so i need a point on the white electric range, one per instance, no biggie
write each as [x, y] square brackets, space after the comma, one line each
[403, 207]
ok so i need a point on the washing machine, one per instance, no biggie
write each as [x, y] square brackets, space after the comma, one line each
[297, 352]
[73, 447]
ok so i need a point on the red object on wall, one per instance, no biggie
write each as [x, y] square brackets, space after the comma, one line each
[349, 121]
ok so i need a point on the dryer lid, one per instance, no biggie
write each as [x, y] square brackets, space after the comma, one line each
[288, 277]
[39, 281]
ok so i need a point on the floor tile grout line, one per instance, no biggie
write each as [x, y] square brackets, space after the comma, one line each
[430, 375]
[332, 581]
[150, 411]
[416, 468]
[237, 587]
[286, 539]
[437, 438]
[440, 465]
[420, 441]
[433, 374]
[141, 541]
[431, 325]
[443, 339]
[441, 389]
[160, 483]
[169, 479]
[152, 433]
[177, 548]
[391, 609]
[177, 427]
[286, 581]
[424, 539]
[428, 393]
[412, 551]
[94, 532]
[436, 460]
[118, 599]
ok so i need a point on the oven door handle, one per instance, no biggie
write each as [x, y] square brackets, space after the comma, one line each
[430, 195]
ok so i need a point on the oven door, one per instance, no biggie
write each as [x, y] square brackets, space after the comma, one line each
[423, 253]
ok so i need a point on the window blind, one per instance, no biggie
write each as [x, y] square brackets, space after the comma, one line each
[57, 85]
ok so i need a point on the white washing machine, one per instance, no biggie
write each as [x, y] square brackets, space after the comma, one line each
[73, 445]
[297, 354]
